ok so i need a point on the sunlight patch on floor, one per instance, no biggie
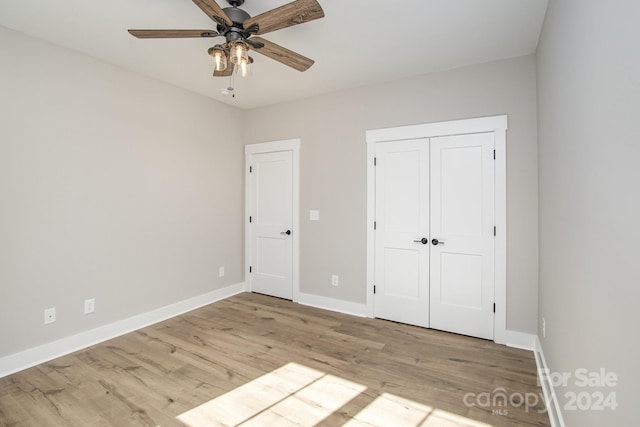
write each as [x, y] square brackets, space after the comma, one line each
[292, 394]
[296, 395]
[392, 410]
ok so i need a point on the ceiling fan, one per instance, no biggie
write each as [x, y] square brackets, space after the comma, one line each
[240, 30]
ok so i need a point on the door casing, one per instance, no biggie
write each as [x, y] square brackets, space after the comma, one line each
[292, 145]
[496, 124]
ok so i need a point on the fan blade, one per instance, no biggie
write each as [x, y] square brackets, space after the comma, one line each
[225, 73]
[161, 34]
[294, 13]
[211, 8]
[283, 55]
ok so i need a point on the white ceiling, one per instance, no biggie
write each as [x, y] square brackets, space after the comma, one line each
[359, 42]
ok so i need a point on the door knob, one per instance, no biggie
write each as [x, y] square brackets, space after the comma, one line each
[288, 232]
[437, 242]
[424, 241]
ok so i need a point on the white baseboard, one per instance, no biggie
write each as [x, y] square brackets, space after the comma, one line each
[332, 304]
[520, 340]
[550, 397]
[514, 339]
[43, 353]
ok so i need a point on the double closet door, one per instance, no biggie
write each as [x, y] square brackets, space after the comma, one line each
[434, 233]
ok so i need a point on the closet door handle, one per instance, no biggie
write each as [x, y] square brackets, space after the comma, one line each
[424, 241]
[436, 242]
[288, 232]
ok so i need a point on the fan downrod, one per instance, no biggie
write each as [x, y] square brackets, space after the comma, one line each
[235, 3]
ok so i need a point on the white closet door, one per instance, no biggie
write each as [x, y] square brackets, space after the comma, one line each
[402, 220]
[462, 234]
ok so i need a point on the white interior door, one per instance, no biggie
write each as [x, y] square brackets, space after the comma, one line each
[271, 226]
[462, 225]
[402, 221]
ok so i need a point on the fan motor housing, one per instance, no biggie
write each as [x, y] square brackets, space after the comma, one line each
[236, 30]
[238, 16]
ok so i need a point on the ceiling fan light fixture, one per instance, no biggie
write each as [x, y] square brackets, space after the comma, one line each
[240, 31]
[219, 58]
[244, 68]
[238, 52]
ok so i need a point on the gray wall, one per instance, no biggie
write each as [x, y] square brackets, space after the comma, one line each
[589, 111]
[333, 168]
[117, 187]
[112, 186]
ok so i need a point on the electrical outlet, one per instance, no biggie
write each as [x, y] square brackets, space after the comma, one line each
[221, 271]
[544, 328]
[314, 215]
[49, 315]
[335, 281]
[89, 305]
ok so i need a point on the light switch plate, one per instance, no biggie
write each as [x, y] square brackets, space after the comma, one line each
[314, 215]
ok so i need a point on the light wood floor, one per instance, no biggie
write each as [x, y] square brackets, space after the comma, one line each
[257, 360]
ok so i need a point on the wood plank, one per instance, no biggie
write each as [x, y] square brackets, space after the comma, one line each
[283, 55]
[294, 13]
[172, 34]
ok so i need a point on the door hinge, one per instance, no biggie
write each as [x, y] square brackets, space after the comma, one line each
[250, 269]
[250, 219]
[375, 161]
[494, 154]
[374, 289]
[375, 225]
[494, 307]
[494, 230]
[250, 169]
